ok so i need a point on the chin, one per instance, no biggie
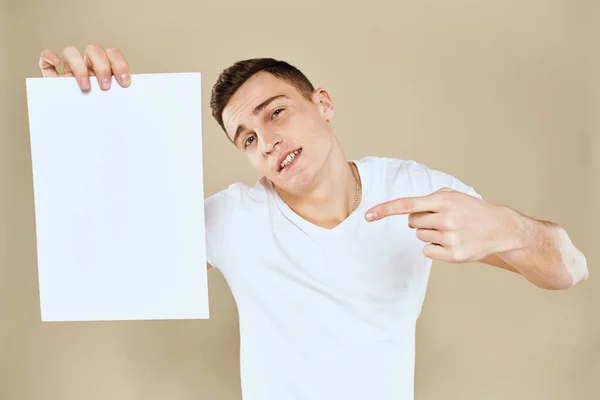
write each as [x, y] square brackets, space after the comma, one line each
[299, 175]
[294, 184]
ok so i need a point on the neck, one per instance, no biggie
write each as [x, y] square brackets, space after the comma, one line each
[332, 197]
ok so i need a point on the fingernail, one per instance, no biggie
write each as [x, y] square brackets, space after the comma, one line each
[84, 83]
[125, 78]
[371, 216]
[106, 82]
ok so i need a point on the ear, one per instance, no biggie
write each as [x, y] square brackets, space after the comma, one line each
[324, 103]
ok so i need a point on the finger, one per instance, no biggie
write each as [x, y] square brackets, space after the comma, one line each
[119, 66]
[426, 220]
[49, 60]
[430, 236]
[75, 66]
[437, 252]
[402, 206]
[97, 62]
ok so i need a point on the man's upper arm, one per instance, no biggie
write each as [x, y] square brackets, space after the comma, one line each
[219, 211]
[430, 180]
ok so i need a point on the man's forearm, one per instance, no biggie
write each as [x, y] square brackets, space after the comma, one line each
[542, 252]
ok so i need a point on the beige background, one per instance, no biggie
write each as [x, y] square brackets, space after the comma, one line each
[503, 94]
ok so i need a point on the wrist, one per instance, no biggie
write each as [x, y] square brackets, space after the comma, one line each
[514, 230]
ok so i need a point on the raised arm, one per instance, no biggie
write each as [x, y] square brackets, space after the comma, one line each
[460, 228]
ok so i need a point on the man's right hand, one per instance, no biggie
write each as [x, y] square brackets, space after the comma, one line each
[97, 61]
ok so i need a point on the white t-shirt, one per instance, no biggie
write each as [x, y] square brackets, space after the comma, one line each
[325, 314]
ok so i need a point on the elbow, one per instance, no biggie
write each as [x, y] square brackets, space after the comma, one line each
[569, 275]
[572, 268]
[580, 272]
[560, 285]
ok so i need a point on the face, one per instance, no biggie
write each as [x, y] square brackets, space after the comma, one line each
[286, 137]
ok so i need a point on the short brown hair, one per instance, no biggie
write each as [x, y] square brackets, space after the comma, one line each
[232, 78]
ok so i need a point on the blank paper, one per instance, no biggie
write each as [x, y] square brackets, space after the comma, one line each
[119, 202]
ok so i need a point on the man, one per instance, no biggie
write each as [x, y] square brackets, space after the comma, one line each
[328, 259]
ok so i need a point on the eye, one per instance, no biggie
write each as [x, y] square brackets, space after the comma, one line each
[276, 113]
[248, 141]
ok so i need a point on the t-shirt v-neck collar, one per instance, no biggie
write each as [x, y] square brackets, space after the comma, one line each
[315, 230]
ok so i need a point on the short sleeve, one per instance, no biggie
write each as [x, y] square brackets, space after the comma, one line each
[219, 214]
[435, 180]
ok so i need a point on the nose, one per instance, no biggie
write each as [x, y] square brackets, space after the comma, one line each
[268, 140]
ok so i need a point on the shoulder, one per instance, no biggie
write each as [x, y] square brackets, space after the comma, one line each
[224, 213]
[411, 176]
[389, 166]
[237, 198]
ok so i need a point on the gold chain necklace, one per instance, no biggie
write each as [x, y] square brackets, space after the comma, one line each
[357, 188]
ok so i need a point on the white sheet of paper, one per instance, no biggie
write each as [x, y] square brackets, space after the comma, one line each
[119, 199]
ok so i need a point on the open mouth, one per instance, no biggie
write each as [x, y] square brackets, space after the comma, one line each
[290, 159]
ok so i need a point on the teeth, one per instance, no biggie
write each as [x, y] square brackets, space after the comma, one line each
[289, 158]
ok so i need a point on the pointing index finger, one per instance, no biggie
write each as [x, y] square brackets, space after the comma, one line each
[404, 205]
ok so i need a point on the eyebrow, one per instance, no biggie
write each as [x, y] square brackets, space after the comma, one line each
[256, 110]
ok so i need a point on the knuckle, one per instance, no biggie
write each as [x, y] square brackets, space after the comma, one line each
[113, 50]
[45, 53]
[445, 194]
[388, 209]
[449, 224]
[94, 47]
[457, 255]
[102, 69]
[103, 74]
[442, 192]
[412, 219]
[69, 49]
[444, 204]
[447, 198]
[120, 67]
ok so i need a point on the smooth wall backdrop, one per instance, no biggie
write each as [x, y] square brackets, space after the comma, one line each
[502, 94]
[4, 188]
